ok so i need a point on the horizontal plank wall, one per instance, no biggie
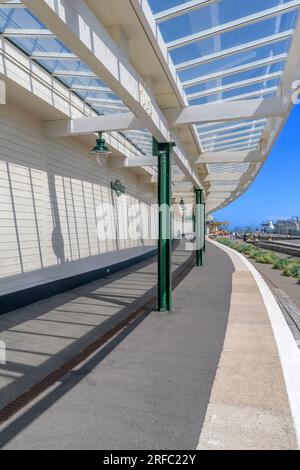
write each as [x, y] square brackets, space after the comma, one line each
[50, 192]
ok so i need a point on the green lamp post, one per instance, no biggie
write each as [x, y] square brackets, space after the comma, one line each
[164, 151]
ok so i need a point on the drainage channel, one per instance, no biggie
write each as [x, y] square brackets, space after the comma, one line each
[9, 410]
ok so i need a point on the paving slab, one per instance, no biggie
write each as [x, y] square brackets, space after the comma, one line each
[249, 406]
[149, 387]
[41, 337]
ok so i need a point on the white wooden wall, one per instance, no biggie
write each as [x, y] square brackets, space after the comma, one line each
[49, 195]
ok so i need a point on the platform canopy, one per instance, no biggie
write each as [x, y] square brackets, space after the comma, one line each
[218, 77]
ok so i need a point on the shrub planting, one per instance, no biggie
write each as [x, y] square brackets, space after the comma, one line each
[292, 270]
[289, 266]
[280, 264]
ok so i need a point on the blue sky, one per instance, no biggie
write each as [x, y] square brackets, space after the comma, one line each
[276, 191]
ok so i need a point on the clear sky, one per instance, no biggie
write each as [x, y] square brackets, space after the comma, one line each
[276, 191]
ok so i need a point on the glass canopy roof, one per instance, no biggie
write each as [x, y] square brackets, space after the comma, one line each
[22, 28]
[225, 50]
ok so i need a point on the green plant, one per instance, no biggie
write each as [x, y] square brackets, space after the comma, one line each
[289, 266]
[280, 264]
[244, 248]
[266, 257]
[292, 270]
[253, 254]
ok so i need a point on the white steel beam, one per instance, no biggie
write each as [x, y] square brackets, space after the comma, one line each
[229, 157]
[121, 122]
[147, 21]
[223, 189]
[213, 199]
[180, 179]
[214, 196]
[247, 125]
[217, 137]
[246, 143]
[80, 31]
[250, 136]
[91, 89]
[226, 111]
[179, 193]
[27, 33]
[182, 9]
[248, 46]
[236, 147]
[234, 70]
[135, 162]
[53, 56]
[115, 107]
[82, 126]
[148, 179]
[73, 74]
[223, 177]
[12, 5]
[104, 101]
[234, 85]
[261, 92]
[236, 24]
[212, 126]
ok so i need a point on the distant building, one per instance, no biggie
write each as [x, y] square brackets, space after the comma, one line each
[268, 227]
[288, 227]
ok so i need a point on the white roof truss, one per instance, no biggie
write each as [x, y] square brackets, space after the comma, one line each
[232, 25]
[268, 40]
[182, 9]
[234, 70]
[232, 86]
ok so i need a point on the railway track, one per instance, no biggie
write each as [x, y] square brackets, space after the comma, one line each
[279, 247]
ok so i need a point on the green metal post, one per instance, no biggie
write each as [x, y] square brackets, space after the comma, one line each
[204, 246]
[199, 227]
[163, 152]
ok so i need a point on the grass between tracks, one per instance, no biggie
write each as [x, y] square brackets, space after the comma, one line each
[290, 267]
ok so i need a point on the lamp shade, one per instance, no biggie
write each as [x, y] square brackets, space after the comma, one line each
[100, 147]
[101, 150]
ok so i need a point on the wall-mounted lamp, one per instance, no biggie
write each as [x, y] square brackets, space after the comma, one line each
[101, 150]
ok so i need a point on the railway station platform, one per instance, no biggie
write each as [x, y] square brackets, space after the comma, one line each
[215, 373]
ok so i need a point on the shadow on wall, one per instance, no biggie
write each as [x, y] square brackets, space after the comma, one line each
[48, 212]
[57, 238]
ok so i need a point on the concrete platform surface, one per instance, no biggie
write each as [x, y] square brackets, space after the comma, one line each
[146, 389]
[249, 407]
[167, 379]
[40, 338]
